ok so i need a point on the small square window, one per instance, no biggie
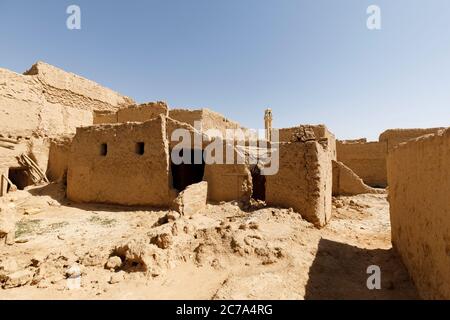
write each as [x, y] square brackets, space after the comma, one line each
[103, 149]
[140, 148]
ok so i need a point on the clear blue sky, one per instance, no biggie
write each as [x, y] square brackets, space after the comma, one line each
[311, 61]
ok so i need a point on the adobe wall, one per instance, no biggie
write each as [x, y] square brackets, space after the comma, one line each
[214, 120]
[133, 113]
[304, 181]
[58, 159]
[46, 103]
[393, 137]
[347, 183]
[25, 112]
[366, 159]
[226, 182]
[309, 132]
[69, 89]
[209, 119]
[419, 184]
[186, 116]
[142, 112]
[104, 117]
[49, 101]
[122, 176]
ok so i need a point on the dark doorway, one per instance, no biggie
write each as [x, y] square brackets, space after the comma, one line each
[259, 184]
[20, 177]
[186, 174]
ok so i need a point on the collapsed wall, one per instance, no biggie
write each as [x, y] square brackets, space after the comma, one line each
[366, 159]
[348, 183]
[304, 179]
[419, 184]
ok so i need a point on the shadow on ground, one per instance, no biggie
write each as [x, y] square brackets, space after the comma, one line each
[339, 271]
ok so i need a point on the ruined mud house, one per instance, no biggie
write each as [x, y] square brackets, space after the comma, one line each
[109, 149]
[56, 126]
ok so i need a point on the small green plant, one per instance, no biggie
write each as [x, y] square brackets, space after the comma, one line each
[27, 227]
[102, 221]
[30, 227]
[56, 226]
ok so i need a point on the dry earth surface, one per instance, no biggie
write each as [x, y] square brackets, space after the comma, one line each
[223, 252]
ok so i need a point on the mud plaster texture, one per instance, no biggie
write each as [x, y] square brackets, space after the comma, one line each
[209, 120]
[43, 104]
[192, 199]
[303, 181]
[419, 184]
[394, 137]
[226, 182]
[368, 159]
[309, 132]
[347, 183]
[134, 113]
[122, 176]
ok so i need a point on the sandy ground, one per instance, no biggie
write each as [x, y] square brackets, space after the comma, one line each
[64, 250]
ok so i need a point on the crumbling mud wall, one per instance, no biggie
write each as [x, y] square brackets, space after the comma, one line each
[125, 164]
[42, 104]
[11, 149]
[49, 101]
[142, 112]
[133, 113]
[186, 116]
[68, 89]
[192, 199]
[58, 159]
[309, 132]
[208, 119]
[8, 159]
[394, 137]
[366, 159]
[419, 185]
[226, 182]
[347, 183]
[103, 117]
[25, 112]
[303, 181]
